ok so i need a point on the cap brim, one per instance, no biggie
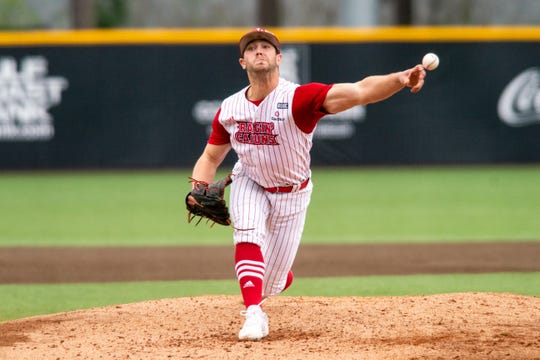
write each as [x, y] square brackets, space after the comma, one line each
[258, 35]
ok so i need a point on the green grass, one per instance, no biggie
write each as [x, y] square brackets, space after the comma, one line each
[28, 300]
[425, 205]
[348, 206]
[124, 208]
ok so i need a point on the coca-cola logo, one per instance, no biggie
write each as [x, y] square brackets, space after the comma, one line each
[519, 104]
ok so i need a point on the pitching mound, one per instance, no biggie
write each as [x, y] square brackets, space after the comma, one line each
[456, 326]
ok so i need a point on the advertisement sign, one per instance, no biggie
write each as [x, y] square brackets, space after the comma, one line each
[152, 105]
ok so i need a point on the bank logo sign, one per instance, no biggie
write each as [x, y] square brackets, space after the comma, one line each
[519, 104]
[27, 92]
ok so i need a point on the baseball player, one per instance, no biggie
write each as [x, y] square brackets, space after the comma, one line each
[270, 125]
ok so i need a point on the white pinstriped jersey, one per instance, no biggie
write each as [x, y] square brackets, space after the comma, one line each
[272, 150]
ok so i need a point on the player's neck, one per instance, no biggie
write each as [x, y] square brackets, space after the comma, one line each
[261, 86]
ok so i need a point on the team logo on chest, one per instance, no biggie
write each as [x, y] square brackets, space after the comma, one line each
[256, 133]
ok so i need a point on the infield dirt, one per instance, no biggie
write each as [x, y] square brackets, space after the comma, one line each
[450, 326]
[444, 326]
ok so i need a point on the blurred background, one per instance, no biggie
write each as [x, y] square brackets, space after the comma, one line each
[66, 14]
[127, 84]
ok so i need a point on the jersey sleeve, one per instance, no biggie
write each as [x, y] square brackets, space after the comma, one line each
[307, 105]
[219, 135]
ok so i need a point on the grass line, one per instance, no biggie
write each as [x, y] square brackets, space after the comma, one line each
[28, 300]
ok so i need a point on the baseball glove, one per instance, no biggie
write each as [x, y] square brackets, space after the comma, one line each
[207, 201]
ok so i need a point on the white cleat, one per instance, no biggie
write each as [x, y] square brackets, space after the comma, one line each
[256, 324]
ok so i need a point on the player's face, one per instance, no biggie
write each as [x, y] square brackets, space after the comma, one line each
[260, 56]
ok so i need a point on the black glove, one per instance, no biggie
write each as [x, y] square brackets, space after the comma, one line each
[207, 201]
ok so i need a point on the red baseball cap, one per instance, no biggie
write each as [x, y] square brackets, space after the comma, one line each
[258, 34]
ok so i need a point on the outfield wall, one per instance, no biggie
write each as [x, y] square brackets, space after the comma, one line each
[146, 98]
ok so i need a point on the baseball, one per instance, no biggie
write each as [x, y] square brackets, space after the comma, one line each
[430, 61]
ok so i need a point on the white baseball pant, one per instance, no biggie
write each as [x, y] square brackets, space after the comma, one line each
[274, 221]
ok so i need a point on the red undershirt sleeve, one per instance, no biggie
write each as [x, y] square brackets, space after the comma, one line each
[219, 135]
[308, 105]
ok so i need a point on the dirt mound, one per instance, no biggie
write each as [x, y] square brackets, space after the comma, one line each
[450, 326]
